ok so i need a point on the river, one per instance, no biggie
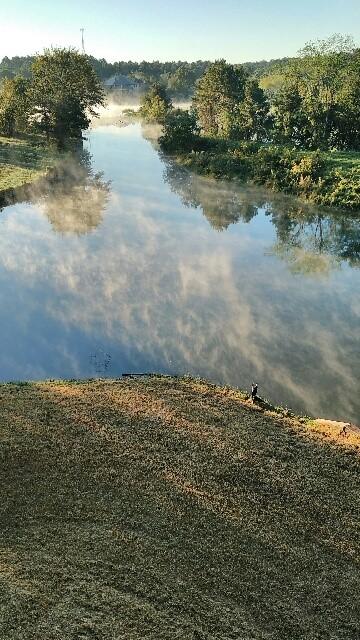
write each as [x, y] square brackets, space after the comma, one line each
[134, 264]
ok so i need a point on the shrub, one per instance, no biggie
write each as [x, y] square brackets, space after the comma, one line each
[344, 191]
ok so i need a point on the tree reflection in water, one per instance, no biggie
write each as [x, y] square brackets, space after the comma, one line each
[72, 195]
[76, 197]
[309, 240]
[313, 242]
[222, 204]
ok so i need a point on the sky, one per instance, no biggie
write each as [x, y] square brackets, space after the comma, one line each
[237, 30]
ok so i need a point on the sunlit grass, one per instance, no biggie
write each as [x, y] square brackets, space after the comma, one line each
[23, 160]
[344, 160]
[161, 508]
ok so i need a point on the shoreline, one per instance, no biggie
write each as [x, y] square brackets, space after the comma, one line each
[296, 174]
[337, 431]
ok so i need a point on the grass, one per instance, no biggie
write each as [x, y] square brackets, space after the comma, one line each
[330, 179]
[162, 509]
[342, 160]
[23, 160]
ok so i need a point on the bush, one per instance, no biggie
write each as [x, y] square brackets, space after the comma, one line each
[303, 174]
[343, 190]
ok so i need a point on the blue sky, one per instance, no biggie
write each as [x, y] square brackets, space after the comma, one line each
[237, 30]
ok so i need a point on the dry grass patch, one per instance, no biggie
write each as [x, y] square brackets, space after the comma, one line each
[163, 509]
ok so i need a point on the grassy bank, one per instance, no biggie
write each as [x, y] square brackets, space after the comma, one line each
[23, 160]
[330, 179]
[169, 508]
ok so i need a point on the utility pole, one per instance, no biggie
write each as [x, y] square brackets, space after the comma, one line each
[82, 40]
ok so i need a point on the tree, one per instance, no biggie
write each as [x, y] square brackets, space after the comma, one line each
[290, 119]
[65, 91]
[180, 131]
[156, 104]
[314, 102]
[251, 119]
[217, 95]
[348, 107]
[14, 105]
[74, 197]
[315, 243]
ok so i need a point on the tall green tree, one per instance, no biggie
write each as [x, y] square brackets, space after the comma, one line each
[315, 99]
[156, 104]
[65, 92]
[251, 118]
[290, 119]
[181, 131]
[14, 105]
[348, 107]
[217, 96]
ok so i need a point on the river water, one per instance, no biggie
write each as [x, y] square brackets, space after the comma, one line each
[147, 267]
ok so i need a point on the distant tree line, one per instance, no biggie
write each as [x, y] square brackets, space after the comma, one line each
[178, 78]
[57, 98]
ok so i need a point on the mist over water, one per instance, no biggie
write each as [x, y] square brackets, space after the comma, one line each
[129, 263]
[113, 112]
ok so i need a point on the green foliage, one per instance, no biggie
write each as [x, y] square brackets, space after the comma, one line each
[155, 105]
[181, 131]
[59, 99]
[23, 160]
[217, 96]
[182, 82]
[14, 105]
[310, 175]
[16, 66]
[230, 105]
[251, 119]
[64, 92]
[343, 189]
[315, 105]
[179, 78]
[318, 103]
[285, 170]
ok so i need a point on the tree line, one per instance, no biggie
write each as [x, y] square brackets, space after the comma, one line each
[316, 106]
[179, 78]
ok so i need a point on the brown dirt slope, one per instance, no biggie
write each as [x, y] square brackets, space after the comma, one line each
[163, 509]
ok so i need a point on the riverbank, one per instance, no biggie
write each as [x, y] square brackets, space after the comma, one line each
[163, 507]
[23, 160]
[330, 179]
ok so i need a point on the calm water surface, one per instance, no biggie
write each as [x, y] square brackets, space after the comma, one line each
[148, 267]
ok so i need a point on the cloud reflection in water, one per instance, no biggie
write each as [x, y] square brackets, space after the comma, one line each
[159, 289]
